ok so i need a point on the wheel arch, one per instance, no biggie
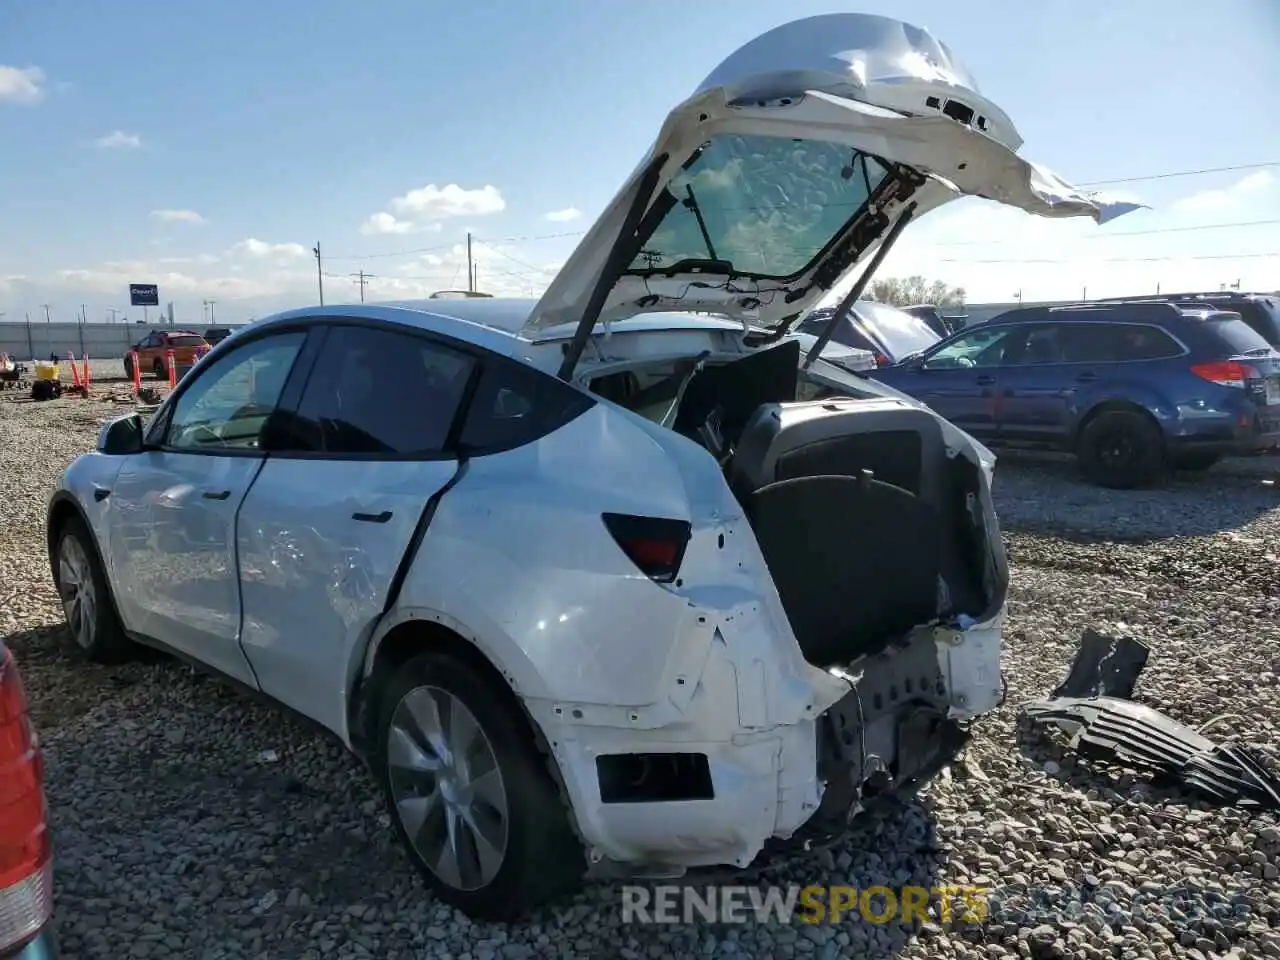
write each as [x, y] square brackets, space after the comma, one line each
[413, 634]
[63, 506]
[1114, 406]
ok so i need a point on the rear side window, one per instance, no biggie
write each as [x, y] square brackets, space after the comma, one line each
[1116, 343]
[378, 393]
[515, 404]
[1236, 335]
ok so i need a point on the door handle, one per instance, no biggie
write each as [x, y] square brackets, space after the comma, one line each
[1086, 377]
[382, 517]
[984, 380]
[216, 494]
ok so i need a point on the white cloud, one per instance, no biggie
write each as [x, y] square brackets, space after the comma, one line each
[422, 209]
[177, 216]
[385, 223]
[119, 140]
[1227, 198]
[261, 250]
[563, 216]
[24, 85]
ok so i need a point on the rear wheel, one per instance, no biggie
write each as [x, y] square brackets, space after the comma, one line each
[86, 597]
[128, 368]
[159, 370]
[1196, 462]
[470, 793]
[1122, 449]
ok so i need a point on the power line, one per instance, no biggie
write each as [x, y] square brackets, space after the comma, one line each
[1214, 256]
[1241, 224]
[1182, 173]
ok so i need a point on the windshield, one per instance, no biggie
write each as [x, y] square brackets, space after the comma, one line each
[766, 205]
[898, 332]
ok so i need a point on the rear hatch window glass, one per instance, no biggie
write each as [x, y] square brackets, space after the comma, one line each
[1268, 319]
[186, 341]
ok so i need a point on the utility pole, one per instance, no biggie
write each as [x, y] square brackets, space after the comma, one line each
[209, 303]
[84, 314]
[46, 313]
[319, 271]
[361, 280]
[114, 313]
[471, 273]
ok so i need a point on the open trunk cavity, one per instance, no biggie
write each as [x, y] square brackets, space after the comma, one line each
[869, 526]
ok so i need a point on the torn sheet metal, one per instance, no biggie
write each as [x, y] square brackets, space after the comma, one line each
[1092, 706]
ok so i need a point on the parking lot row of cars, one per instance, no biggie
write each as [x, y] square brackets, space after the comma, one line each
[1133, 387]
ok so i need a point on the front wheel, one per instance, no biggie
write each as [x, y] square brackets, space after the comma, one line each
[470, 793]
[1122, 450]
[86, 597]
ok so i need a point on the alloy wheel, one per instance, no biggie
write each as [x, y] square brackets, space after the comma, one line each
[79, 596]
[447, 788]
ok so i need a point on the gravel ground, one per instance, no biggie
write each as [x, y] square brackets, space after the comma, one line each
[191, 822]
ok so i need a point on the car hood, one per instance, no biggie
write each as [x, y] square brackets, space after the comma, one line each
[788, 166]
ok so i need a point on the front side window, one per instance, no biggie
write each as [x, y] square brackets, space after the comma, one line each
[227, 405]
[767, 205]
[980, 348]
[381, 392]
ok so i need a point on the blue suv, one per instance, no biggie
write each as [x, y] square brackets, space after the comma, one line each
[1132, 389]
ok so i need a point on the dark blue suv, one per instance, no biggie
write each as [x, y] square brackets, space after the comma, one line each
[1132, 389]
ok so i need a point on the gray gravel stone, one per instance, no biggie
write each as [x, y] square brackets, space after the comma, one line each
[191, 822]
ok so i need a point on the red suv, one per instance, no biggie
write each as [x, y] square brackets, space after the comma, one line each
[153, 351]
[26, 861]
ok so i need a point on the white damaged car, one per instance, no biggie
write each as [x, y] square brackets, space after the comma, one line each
[600, 585]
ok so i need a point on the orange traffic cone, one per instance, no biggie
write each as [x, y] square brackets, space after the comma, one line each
[75, 372]
[137, 372]
[173, 368]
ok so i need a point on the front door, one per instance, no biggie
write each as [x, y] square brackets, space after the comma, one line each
[1038, 386]
[173, 548]
[330, 519]
[960, 380]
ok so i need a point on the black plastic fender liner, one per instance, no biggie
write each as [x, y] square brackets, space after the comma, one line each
[1092, 706]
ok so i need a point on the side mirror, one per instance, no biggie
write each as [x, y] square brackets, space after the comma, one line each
[914, 362]
[121, 437]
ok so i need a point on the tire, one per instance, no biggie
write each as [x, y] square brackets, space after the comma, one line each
[535, 853]
[159, 370]
[128, 368]
[86, 596]
[1196, 462]
[1122, 450]
[43, 390]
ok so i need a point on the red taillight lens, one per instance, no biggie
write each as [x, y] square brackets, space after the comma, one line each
[654, 544]
[26, 876]
[881, 360]
[1227, 373]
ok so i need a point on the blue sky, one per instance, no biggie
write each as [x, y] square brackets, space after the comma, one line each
[207, 147]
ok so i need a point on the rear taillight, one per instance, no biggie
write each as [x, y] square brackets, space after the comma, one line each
[1227, 373]
[654, 544]
[882, 360]
[26, 874]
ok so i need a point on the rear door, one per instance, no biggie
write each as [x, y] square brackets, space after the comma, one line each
[356, 463]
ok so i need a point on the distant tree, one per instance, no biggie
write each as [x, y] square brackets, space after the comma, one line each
[907, 292]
